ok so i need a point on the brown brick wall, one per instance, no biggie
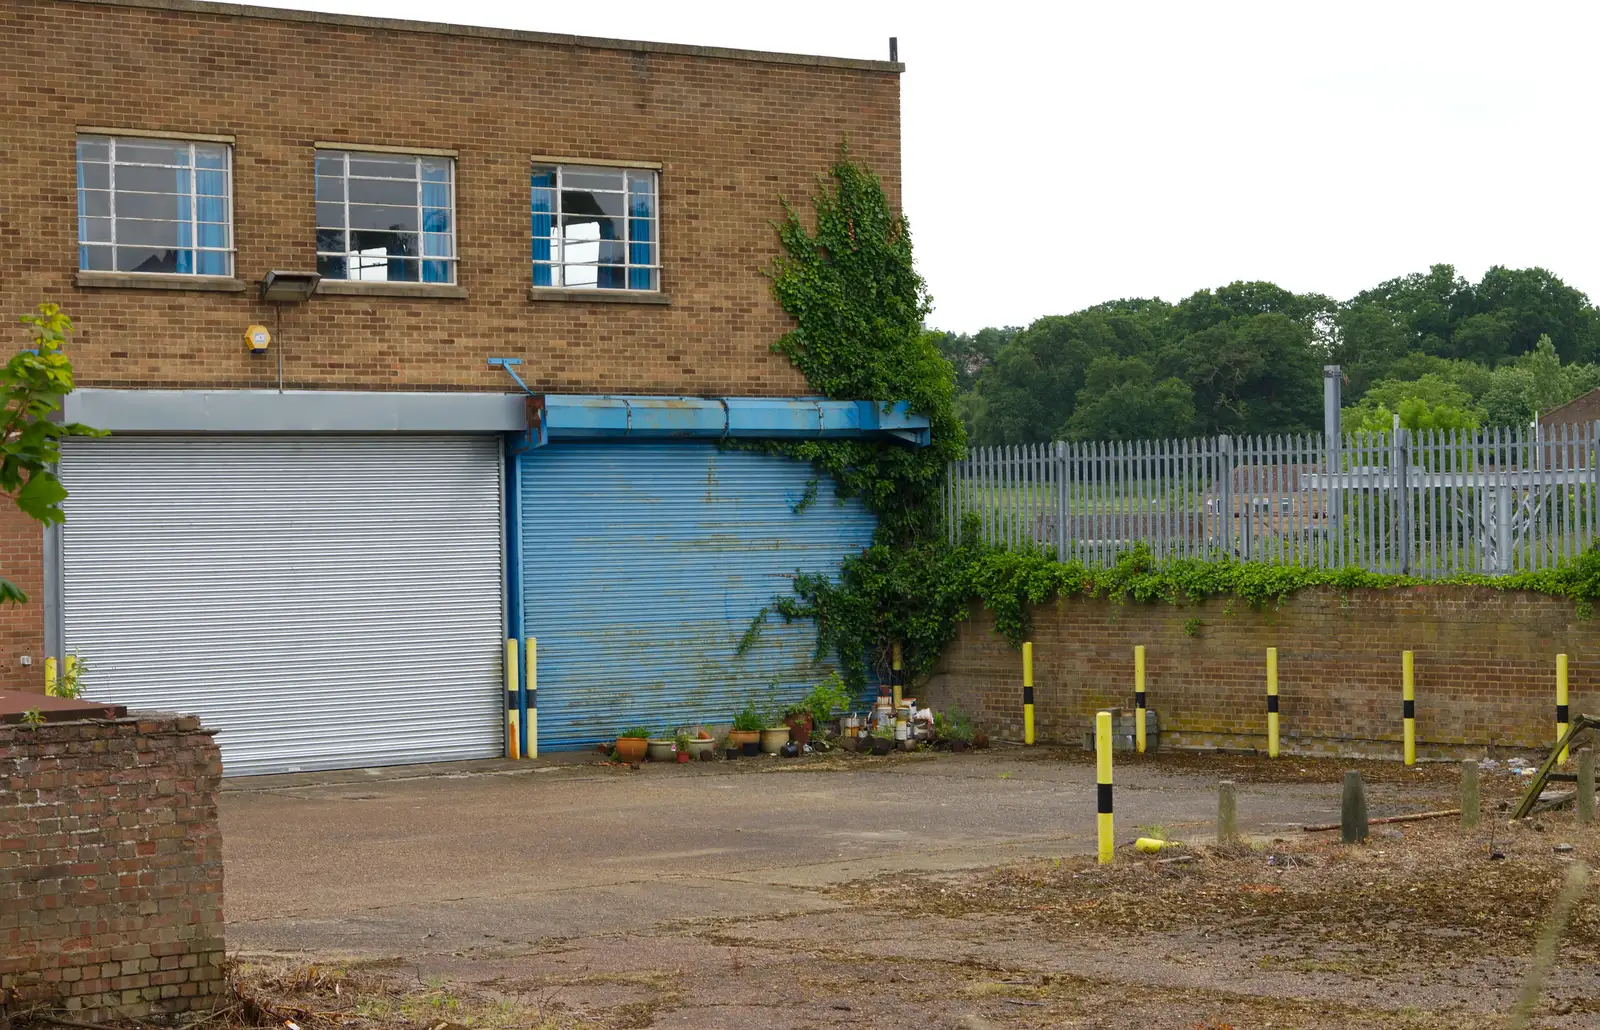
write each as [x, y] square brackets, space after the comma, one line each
[732, 135]
[1485, 669]
[110, 867]
[21, 625]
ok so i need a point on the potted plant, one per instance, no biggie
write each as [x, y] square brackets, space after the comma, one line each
[798, 718]
[959, 730]
[659, 749]
[746, 732]
[700, 744]
[680, 747]
[883, 739]
[774, 736]
[631, 744]
[824, 699]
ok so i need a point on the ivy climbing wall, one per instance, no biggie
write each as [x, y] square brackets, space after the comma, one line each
[1485, 668]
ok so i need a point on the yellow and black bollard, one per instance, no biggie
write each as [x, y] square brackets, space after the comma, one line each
[897, 680]
[1272, 702]
[1027, 693]
[1408, 704]
[532, 750]
[1138, 698]
[50, 677]
[1102, 768]
[513, 723]
[1562, 716]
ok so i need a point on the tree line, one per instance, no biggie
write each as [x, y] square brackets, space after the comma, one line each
[1433, 348]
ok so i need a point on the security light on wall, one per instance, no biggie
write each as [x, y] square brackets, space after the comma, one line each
[289, 287]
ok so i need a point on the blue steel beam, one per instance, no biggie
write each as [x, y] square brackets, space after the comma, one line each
[578, 417]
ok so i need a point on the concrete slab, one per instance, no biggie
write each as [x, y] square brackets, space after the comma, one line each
[402, 861]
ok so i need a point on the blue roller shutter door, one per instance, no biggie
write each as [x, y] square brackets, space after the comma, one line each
[643, 565]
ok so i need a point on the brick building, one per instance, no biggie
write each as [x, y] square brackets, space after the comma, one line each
[323, 544]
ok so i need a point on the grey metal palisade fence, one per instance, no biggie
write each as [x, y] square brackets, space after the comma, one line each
[1428, 503]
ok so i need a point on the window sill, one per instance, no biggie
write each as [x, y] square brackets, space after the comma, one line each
[599, 296]
[161, 281]
[358, 288]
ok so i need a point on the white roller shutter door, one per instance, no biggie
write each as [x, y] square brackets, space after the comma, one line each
[324, 601]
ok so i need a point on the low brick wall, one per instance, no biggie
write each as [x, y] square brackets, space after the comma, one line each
[1485, 669]
[110, 867]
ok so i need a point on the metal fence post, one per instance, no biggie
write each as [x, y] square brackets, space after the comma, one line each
[1402, 451]
[1225, 471]
[1063, 505]
[1502, 514]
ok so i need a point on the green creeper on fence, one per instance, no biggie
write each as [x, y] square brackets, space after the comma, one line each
[32, 386]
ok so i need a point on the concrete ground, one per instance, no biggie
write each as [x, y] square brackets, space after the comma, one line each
[385, 862]
[899, 892]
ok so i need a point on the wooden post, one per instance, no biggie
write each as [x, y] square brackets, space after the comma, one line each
[1471, 802]
[1227, 813]
[1353, 809]
[1585, 786]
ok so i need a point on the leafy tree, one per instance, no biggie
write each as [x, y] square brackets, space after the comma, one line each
[1532, 304]
[970, 354]
[1370, 340]
[1250, 354]
[1431, 402]
[1250, 375]
[1033, 386]
[1121, 400]
[1426, 305]
[32, 385]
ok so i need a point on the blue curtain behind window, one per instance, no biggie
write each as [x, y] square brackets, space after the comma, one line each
[185, 256]
[543, 196]
[639, 240]
[211, 211]
[435, 226]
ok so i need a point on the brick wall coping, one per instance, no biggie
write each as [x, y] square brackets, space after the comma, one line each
[147, 722]
[513, 35]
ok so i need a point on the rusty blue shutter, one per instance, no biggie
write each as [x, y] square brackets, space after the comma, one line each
[644, 563]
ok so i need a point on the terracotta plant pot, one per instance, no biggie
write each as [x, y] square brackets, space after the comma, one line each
[958, 746]
[660, 750]
[799, 728]
[773, 738]
[882, 745]
[745, 742]
[631, 749]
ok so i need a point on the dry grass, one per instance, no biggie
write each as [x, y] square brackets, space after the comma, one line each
[1429, 892]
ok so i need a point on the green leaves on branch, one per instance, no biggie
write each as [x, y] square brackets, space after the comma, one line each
[857, 301]
[32, 385]
[1009, 583]
[852, 288]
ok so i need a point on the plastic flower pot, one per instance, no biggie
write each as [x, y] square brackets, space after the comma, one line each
[773, 738]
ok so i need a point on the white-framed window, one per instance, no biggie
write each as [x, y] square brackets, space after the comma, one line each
[386, 217]
[595, 228]
[155, 205]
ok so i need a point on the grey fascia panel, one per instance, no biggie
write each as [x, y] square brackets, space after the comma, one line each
[295, 411]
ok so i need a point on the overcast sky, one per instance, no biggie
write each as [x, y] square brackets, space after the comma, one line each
[1061, 154]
